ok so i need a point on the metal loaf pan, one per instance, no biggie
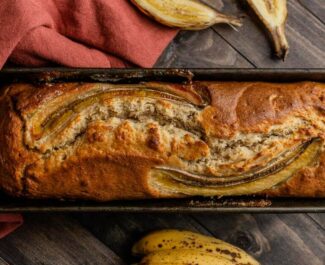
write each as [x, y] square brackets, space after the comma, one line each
[209, 205]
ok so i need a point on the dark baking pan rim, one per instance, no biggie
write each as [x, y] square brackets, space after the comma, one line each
[247, 204]
[193, 205]
[133, 75]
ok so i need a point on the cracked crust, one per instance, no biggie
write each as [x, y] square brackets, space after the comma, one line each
[84, 141]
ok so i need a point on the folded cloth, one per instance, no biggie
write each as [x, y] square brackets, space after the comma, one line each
[79, 33]
[9, 223]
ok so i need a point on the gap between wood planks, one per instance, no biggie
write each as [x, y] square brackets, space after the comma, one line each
[318, 218]
[295, 238]
[307, 4]
[304, 32]
[261, 235]
[234, 47]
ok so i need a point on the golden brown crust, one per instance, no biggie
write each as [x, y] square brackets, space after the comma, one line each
[254, 106]
[110, 161]
[308, 182]
[13, 155]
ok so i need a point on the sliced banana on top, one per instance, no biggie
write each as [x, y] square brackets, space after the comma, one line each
[273, 14]
[184, 14]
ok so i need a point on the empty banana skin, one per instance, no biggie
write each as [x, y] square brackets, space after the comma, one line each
[184, 14]
[273, 14]
[170, 242]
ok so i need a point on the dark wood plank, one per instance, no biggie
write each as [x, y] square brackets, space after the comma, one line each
[3, 262]
[272, 239]
[50, 239]
[319, 218]
[201, 49]
[305, 34]
[120, 231]
[317, 7]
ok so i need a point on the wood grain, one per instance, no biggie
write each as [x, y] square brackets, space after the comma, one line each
[305, 34]
[3, 262]
[201, 49]
[120, 232]
[319, 219]
[272, 239]
[316, 7]
[50, 239]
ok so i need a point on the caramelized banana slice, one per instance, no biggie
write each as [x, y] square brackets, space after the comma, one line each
[184, 14]
[273, 14]
[57, 120]
[273, 166]
[165, 180]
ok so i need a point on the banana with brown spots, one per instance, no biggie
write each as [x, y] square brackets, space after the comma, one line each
[185, 247]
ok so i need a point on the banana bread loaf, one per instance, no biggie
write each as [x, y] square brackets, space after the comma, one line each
[157, 140]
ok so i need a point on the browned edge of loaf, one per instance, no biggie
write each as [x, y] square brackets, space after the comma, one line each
[235, 106]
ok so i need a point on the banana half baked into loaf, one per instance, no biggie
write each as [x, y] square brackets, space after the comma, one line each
[158, 140]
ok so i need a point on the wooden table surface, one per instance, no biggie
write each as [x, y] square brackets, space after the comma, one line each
[274, 239]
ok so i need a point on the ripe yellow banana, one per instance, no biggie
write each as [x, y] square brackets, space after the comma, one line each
[185, 14]
[185, 240]
[183, 257]
[273, 14]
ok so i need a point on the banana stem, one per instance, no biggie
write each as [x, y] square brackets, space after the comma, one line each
[230, 20]
[280, 42]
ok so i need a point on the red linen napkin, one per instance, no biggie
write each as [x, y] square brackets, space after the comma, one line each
[9, 223]
[76, 33]
[79, 33]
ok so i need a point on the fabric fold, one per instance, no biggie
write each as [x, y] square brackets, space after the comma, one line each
[79, 33]
[9, 223]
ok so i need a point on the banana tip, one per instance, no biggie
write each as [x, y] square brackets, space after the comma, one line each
[283, 53]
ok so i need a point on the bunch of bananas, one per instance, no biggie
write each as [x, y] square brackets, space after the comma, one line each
[184, 247]
[194, 15]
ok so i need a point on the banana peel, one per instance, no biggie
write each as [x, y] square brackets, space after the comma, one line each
[273, 14]
[183, 257]
[184, 14]
[188, 245]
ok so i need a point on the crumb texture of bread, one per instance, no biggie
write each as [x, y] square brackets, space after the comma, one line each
[103, 142]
